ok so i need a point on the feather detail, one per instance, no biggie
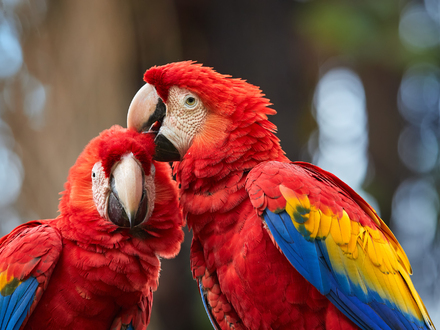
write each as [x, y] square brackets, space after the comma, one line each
[363, 266]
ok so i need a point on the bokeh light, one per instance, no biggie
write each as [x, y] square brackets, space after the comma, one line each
[34, 101]
[433, 10]
[11, 56]
[415, 207]
[342, 143]
[417, 29]
[418, 149]
[419, 93]
[11, 176]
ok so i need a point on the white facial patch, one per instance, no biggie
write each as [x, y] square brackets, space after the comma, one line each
[100, 189]
[186, 115]
[150, 187]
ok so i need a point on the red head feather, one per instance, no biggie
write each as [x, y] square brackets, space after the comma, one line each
[221, 93]
[116, 142]
[108, 148]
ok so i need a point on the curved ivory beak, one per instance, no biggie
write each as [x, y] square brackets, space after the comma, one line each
[128, 184]
[142, 108]
[147, 114]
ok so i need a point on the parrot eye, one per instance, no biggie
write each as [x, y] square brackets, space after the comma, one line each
[190, 101]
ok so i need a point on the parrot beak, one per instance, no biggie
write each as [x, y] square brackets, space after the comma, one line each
[128, 200]
[146, 114]
[146, 111]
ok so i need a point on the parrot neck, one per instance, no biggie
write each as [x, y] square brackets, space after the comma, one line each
[213, 179]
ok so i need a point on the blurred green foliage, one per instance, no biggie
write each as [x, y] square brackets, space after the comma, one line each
[362, 30]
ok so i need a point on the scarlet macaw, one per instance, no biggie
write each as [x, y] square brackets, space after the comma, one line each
[97, 264]
[277, 244]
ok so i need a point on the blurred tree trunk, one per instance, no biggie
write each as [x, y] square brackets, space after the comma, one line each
[72, 54]
[385, 123]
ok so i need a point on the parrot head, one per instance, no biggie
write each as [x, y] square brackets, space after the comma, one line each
[192, 109]
[113, 180]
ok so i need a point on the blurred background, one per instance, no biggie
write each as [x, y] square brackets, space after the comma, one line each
[356, 85]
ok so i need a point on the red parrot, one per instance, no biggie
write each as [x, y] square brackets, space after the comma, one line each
[276, 244]
[97, 264]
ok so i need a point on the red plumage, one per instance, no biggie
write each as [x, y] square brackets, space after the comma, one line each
[249, 283]
[95, 274]
[271, 237]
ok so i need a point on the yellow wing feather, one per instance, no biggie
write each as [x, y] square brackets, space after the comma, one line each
[345, 226]
[326, 222]
[371, 258]
[6, 279]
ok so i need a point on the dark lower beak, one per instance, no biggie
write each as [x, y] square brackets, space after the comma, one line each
[165, 150]
[121, 217]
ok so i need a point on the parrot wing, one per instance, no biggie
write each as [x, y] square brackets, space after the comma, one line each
[28, 256]
[338, 243]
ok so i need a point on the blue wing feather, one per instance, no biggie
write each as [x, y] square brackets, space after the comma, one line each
[390, 317]
[207, 307]
[16, 306]
[311, 260]
[25, 303]
[285, 240]
[4, 303]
